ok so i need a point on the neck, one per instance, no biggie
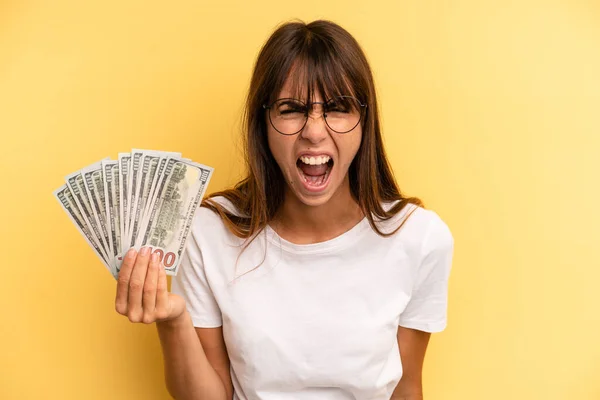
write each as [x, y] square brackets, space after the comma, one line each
[300, 223]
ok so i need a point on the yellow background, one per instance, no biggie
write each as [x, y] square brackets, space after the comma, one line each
[491, 115]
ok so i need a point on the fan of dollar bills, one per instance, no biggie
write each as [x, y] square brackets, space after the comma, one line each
[145, 198]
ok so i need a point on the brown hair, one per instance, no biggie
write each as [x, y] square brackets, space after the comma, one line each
[329, 60]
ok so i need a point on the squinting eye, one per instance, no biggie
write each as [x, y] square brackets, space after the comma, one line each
[291, 111]
[291, 107]
[338, 108]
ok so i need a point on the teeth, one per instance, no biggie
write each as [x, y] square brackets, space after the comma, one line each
[315, 160]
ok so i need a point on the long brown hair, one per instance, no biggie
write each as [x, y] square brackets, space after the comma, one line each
[329, 60]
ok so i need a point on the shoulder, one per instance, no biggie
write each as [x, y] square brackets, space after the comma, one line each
[434, 229]
[438, 241]
[424, 228]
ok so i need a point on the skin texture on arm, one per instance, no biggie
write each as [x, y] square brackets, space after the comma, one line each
[216, 353]
[189, 372]
[412, 344]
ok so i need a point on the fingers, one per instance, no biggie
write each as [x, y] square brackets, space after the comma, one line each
[162, 295]
[149, 294]
[123, 282]
[135, 311]
[142, 292]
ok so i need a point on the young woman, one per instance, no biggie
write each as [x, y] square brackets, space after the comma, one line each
[314, 277]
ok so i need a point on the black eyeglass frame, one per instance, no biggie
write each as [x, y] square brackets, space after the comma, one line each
[363, 108]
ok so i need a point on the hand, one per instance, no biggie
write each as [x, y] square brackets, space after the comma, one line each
[142, 293]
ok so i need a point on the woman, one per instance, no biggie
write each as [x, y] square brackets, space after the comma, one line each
[314, 277]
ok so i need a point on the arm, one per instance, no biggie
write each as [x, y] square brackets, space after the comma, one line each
[412, 344]
[143, 297]
[214, 346]
[196, 362]
[426, 311]
[197, 365]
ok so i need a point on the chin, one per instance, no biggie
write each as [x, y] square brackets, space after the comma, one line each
[313, 201]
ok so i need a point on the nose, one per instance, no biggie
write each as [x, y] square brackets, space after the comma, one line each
[315, 129]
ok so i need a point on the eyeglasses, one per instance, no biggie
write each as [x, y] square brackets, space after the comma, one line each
[341, 113]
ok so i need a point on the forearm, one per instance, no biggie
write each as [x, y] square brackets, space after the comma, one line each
[188, 374]
[408, 390]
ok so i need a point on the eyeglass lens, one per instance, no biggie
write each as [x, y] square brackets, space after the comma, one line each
[342, 114]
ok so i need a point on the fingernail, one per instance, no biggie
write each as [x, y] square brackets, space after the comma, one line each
[154, 257]
[145, 251]
[130, 253]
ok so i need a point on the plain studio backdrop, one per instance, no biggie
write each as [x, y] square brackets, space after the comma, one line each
[490, 114]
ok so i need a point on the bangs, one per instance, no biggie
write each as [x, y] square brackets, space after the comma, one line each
[317, 68]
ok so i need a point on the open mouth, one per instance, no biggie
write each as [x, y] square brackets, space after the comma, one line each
[315, 171]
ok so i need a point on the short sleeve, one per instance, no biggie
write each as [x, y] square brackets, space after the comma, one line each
[191, 284]
[427, 308]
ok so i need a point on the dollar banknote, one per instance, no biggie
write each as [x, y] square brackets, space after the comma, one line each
[144, 198]
[148, 164]
[140, 189]
[65, 197]
[169, 216]
[124, 166]
[94, 187]
[76, 184]
[110, 175]
[136, 158]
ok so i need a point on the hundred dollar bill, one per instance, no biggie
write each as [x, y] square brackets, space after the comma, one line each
[76, 184]
[67, 201]
[147, 165]
[110, 174]
[164, 169]
[124, 163]
[94, 186]
[170, 214]
[136, 158]
[146, 173]
[159, 174]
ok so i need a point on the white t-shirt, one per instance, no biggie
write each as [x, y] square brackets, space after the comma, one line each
[317, 321]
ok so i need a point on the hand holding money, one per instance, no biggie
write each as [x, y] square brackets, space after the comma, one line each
[142, 293]
[145, 198]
